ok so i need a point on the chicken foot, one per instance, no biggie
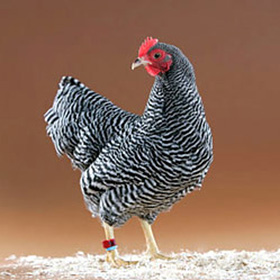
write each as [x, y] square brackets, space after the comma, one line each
[112, 256]
[152, 248]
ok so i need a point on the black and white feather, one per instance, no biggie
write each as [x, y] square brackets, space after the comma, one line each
[135, 165]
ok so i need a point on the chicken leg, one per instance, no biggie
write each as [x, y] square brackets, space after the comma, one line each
[152, 248]
[113, 255]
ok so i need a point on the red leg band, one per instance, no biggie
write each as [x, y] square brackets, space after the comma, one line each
[109, 243]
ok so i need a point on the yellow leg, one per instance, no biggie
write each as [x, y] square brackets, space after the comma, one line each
[152, 248]
[113, 256]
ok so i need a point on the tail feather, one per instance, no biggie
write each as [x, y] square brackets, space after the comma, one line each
[80, 122]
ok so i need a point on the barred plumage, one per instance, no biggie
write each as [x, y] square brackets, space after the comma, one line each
[135, 165]
[81, 122]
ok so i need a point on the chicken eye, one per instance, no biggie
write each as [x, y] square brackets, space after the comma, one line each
[157, 55]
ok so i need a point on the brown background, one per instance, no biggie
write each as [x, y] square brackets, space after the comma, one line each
[234, 46]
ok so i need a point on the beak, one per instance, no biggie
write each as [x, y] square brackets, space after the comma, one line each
[139, 61]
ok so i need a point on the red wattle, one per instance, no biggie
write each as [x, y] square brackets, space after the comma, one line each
[164, 67]
[152, 70]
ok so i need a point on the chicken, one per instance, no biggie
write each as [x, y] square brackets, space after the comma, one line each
[135, 165]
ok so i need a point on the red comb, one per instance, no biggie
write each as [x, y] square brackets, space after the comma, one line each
[146, 45]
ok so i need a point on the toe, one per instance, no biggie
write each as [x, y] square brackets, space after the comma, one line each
[159, 256]
[119, 262]
[122, 262]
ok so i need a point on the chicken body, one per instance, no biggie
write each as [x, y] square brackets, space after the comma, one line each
[135, 165]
